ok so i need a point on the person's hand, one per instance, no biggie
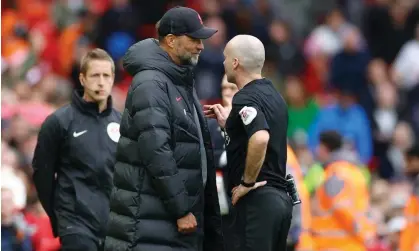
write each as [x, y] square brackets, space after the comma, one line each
[218, 112]
[187, 223]
[240, 191]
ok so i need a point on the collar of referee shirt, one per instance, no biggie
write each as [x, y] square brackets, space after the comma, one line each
[90, 107]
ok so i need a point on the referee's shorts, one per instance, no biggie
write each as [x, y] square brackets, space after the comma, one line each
[260, 221]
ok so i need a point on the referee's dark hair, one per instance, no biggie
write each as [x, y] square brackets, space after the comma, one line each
[332, 140]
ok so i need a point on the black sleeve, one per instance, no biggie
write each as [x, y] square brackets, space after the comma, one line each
[151, 115]
[251, 114]
[45, 161]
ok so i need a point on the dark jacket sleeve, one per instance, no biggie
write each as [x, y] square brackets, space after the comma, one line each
[213, 226]
[150, 111]
[45, 161]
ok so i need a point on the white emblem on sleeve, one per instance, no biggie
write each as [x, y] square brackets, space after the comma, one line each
[113, 131]
[248, 114]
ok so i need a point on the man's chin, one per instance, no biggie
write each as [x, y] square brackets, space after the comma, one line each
[193, 61]
[100, 98]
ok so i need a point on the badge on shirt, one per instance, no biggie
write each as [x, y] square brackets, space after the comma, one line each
[113, 131]
[248, 114]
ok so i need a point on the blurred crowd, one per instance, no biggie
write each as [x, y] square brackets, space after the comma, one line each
[345, 65]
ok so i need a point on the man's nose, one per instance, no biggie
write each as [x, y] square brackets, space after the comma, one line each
[200, 45]
[101, 81]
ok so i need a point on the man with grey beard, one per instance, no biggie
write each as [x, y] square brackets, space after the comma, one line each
[165, 195]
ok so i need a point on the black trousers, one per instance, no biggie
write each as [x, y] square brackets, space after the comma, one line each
[260, 221]
[78, 242]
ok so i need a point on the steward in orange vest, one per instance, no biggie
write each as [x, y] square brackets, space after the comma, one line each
[341, 204]
[409, 239]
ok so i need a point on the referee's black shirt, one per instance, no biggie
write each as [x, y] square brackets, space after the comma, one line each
[257, 106]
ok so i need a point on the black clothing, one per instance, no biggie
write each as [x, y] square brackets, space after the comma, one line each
[217, 137]
[258, 106]
[158, 173]
[79, 242]
[261, 220]
[73, 166]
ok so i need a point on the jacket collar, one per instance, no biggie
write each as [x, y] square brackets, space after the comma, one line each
[91, 108]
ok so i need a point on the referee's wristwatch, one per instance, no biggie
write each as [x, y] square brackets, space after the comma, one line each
[248, 185]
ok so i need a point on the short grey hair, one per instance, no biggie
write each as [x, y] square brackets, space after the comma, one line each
[250, 51]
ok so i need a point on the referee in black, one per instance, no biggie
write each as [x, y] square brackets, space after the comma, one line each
[75, 155]
[256, 150]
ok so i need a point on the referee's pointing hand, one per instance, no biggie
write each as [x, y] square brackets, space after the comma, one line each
[240, 191]
[218, 112]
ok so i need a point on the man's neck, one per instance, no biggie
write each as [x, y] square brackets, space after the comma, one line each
[102, 105]
[243, 79]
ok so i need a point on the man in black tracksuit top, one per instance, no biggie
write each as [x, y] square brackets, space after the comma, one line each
[165, 195]
[75, 156]
[256, 126]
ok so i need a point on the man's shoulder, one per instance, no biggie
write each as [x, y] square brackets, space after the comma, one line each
[149, 79]
[64, 113]
[151, 76]
[244, 96]
[117, 114]
[59, 118]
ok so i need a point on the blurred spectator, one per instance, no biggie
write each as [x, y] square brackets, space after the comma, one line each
[302, 110]
[347, 118]
[11, 179]
[394, 227]
[348, 68]
[43, 237]
[289, 58]
[118, 28]
[81, 32]
[392, 165]
[387, 26]
[384, 119]
[327, 38]
[295, 12]
[15, 233]
[406, 64]
[321, 45]
[376, 75]
[210, 68]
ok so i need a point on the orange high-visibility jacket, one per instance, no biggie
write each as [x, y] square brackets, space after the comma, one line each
[305, 241]
[409, 239]
[340, 210]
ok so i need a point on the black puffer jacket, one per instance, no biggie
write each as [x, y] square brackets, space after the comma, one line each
[158, 176]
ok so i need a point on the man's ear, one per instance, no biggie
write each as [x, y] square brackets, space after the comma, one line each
[81, 79]
[235, 63]
[170, 40]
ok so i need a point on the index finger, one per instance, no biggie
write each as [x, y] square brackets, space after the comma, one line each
[217, 111]
[219, 106]
[208, 106]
